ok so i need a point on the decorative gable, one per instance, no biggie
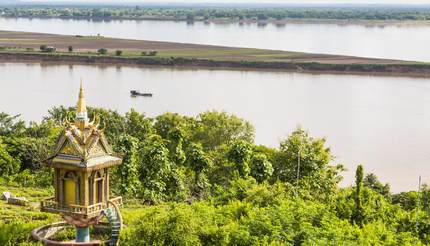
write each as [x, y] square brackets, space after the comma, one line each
[68, 149]
[97, 149]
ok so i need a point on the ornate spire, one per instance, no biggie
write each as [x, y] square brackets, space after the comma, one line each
[82, 107]
[81, 110]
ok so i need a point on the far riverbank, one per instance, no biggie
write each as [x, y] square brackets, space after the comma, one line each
[25, 46]
[406, 70]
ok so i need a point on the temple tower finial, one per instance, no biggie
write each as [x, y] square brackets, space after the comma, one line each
[81, 109]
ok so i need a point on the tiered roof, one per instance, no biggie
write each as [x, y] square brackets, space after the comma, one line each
[82, 145]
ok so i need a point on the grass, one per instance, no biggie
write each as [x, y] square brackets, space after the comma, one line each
[17, 222]
[27, 213]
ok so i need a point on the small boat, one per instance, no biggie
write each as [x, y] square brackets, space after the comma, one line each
[135, 93]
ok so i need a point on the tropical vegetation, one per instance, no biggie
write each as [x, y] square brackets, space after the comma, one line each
[203, 181]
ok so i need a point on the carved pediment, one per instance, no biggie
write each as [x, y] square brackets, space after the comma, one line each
[97, 149]
[68, 149]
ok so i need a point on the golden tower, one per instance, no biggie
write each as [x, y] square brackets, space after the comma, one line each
[81, 160]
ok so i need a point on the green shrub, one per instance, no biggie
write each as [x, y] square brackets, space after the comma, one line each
[48, 49]
[149, 53]
[102, 51]
[152, 53]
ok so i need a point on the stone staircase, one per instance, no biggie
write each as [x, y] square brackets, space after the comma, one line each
[115, 222]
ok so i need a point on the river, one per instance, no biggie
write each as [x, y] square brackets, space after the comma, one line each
[405, 42]
[381, 122]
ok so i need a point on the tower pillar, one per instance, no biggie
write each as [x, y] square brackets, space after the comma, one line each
[83, 234]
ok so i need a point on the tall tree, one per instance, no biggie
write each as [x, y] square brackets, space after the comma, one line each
[138, 125]
[239, 154]
[11, 125]
[213, 129]
[261, 168]
[8, 165]
[371, 181]
[127, 174]
[358, 215]
[200, 163]
[313, 154]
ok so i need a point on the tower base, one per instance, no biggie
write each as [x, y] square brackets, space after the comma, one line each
[83, 234]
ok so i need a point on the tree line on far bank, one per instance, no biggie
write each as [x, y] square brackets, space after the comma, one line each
[214, 13]
[208, 183]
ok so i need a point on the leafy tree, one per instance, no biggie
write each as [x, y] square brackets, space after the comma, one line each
[321, 185]
[166, 122]
[60, 114]
[261, 168]
[155, 168]
[175, 146]
[371, 181]
[8, 166]
[31, 151]
[425, 198]
[11, 125]
[197, 159]
[407, 200]
[137, 125]
[118, 52]
[200, 163]
[240, 154]
[46, 129]
[70, 48]
[313, 155]
[127, 173]
[175, 129]
[212, 129]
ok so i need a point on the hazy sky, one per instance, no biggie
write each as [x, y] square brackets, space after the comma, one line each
[253, 1]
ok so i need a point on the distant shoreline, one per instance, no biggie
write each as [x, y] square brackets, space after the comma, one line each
[278, 23]
[405, 70]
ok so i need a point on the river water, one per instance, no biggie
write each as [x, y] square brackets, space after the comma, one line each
[378, 41]
[381, 122]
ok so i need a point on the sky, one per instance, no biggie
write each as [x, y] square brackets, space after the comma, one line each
[250, 1]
